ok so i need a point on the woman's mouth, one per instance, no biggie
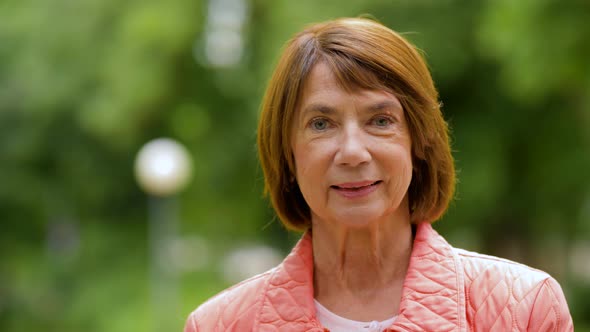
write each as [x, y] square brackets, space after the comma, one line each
[356, 189]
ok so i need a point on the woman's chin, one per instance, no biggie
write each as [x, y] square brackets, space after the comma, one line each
[357, 219]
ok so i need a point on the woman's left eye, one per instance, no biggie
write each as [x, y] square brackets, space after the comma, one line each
[382, 121]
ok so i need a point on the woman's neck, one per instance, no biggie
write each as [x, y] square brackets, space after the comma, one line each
[359, 272]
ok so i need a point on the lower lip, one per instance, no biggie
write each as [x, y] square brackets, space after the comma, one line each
[356, 193]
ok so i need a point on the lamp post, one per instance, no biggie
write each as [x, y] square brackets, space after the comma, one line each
[163, 168]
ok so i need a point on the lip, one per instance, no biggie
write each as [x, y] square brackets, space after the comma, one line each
[356, 189]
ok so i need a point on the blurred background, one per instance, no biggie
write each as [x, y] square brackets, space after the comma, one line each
[85, 85]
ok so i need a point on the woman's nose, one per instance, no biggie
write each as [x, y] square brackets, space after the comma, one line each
[352, 148]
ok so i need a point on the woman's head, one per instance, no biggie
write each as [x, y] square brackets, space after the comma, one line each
[362, 55]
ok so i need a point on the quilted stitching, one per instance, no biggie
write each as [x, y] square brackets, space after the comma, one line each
[229, 310]
[445, 289]
[501, 295]
[288, 304]
[432, 289]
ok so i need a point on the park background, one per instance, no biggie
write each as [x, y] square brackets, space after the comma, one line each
[85, 84]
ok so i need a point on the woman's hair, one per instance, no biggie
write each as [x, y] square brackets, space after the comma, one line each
[363, 54]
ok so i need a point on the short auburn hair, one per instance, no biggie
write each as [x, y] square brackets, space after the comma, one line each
[363, 54]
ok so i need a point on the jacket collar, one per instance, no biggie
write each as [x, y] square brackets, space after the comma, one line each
[432, 295]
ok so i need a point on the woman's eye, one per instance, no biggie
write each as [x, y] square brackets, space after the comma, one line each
[319, 124]
[382, 121]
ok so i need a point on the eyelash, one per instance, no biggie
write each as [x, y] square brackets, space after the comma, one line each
[313, 121]
[389, 119]
[372, 121]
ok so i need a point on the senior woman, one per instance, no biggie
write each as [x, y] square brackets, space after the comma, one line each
[356, 154]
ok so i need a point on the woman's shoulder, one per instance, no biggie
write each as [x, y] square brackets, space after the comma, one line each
[233, 307]
[497, 286]
[478, 265]
[498, 276]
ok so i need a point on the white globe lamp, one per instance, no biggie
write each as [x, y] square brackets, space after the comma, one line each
[163, 167]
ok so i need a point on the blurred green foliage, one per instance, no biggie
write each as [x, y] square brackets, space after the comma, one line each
[84, 84]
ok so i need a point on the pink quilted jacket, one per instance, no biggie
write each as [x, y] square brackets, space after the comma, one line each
[445, 289]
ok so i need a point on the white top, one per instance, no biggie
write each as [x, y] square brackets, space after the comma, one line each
[336, 323]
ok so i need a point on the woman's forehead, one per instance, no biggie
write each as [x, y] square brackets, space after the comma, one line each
[323, 81]
[347, 73]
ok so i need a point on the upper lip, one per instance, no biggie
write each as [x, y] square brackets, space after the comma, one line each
[359, 184]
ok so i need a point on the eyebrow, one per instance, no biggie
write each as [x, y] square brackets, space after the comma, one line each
[318, 108]
[385, 105]
[327, 110]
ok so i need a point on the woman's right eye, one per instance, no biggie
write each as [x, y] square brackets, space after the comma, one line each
[319, 124]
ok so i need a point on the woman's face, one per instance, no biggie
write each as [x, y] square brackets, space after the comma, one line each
[352, 152]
